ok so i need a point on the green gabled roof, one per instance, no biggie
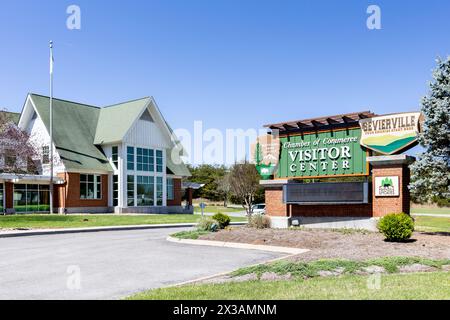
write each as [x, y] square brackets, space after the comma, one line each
[115, 121]
[176, 169]
[73, 132]
[80, 127]
[11, 116]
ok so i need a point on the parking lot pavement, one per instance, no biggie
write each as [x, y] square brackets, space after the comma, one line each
[108, 265]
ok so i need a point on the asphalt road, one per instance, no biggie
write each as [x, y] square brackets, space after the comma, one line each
[108, 265]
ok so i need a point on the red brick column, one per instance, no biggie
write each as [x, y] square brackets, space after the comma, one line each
[9, 196]
[274, 202]
[177, 193]
[189, 196]
[383, 166]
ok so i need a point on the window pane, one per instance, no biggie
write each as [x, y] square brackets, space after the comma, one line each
[145, 191]
[130, 158]
[20, 201]
[170, 190]
[130, 190]
[115, 156]
[159, 161]
[159, 191]
[83, 190]
[90, 191]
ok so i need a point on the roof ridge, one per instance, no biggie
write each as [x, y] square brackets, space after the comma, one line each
[118, 104]
[64, 100]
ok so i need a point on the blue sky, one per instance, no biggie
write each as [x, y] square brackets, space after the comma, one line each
[231, 64]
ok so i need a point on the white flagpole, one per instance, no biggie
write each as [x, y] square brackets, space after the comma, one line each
[51, 127]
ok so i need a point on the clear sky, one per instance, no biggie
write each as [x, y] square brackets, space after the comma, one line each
[231, 64]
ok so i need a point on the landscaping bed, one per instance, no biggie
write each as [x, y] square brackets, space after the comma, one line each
[338, 244]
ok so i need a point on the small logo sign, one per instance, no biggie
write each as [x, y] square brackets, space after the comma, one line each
[392, 133]
[386, 186]
[265, 154]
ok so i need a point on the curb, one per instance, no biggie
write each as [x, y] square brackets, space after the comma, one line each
[100, 229]
[236, 245]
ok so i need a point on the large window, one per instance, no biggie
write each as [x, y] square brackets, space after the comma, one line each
[31, 198]
[159, 161]
[130, 158]
[90, 187]
[130, 191]
[115, 156]
[145, 160]
[170, 190]
[1, 197]
[159, 191]
[145, 191]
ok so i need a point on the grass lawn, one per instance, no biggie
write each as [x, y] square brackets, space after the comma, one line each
[433, 285]
[47, 221]
[431, 210]
[218, 209]
[433, 224]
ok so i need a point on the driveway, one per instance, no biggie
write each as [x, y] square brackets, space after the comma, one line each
[108, 265]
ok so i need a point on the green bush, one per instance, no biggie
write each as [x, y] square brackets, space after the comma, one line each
[396, 226]
[207, 224]
[259, 221]
[222, 219]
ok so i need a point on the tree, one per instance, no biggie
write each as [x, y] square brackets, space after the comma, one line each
[18, 155]
[224, 187]
[244, 183]
[207, 174]
[431, 173]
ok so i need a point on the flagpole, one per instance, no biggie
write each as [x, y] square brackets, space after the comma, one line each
[51, 127]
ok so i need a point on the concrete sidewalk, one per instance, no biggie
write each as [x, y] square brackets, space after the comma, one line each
[36, 232]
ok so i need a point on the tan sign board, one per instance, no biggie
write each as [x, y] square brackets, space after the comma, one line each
[392, 133]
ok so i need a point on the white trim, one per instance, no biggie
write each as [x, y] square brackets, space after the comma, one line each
[29, 178]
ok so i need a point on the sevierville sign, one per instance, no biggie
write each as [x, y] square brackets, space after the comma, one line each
[391, 133]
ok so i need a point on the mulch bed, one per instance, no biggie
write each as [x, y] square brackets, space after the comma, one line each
[329, 244]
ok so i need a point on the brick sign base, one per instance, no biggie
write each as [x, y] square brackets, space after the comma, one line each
[363, 216]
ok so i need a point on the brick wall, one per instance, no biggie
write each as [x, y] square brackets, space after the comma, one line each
[386, 205]
[274, 202]
[69, 193]
[177, 193]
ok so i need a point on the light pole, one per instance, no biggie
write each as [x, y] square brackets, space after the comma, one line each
[51, 127]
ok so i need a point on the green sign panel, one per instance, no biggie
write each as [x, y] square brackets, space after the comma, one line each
[322, 154]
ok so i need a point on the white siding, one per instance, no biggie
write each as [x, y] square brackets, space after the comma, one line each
[39, 137]
[149, 134]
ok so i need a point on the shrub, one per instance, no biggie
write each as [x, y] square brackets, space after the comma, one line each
[259, 221]
[396, 226]
[222, 219]
[207, 224]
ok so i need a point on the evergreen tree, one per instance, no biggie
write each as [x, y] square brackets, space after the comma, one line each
[430, 179]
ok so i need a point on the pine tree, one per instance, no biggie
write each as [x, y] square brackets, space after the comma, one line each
[431, 173]
[258, 154]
